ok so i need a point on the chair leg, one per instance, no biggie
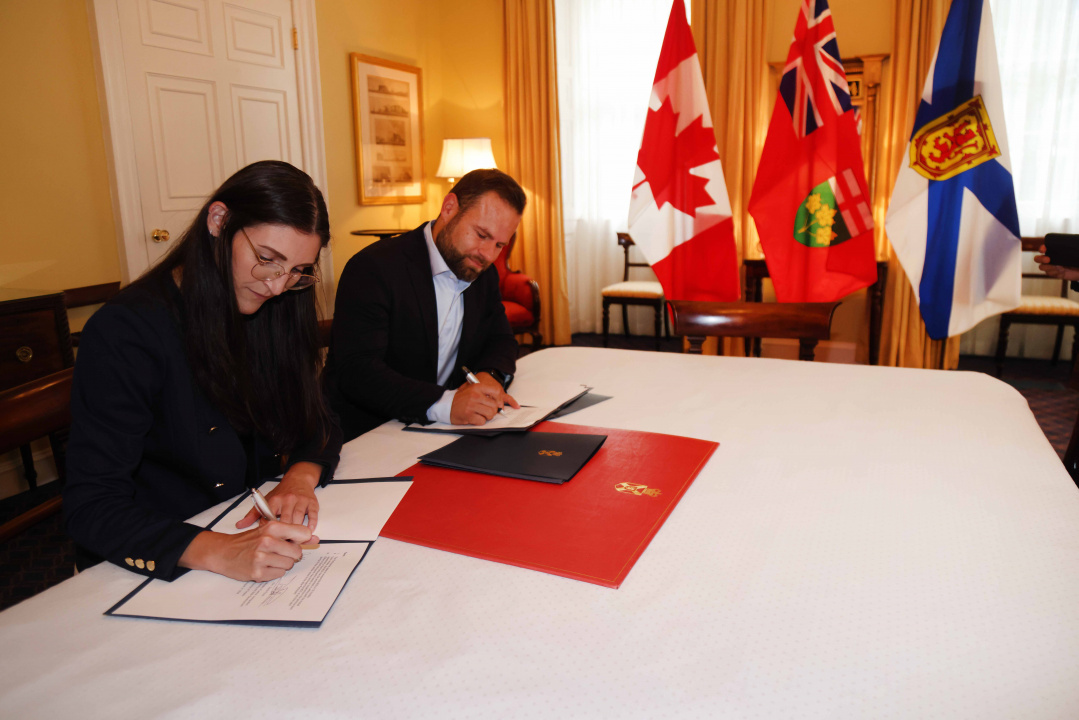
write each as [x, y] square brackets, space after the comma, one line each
[659, 325]
[806, 346]
[1073, 381]
[606, 320]
[58, 443]
[28, 466]
[696, 344]
[1057, 344]
[1002, 344]
[1071, 455]
[625, 320]
[666, 320]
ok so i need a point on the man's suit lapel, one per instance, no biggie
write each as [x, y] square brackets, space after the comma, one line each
[419, 273]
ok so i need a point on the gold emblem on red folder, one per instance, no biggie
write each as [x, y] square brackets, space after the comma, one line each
[634, 489]
[550, 453]
[954, 143]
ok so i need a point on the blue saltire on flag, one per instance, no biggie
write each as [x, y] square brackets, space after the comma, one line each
[952, 218]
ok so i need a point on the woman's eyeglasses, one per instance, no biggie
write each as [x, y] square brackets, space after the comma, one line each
[268, 270]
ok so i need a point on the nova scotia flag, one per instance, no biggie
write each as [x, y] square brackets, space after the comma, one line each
[952, 218]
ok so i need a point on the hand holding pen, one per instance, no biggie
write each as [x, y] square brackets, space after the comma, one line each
[263, 507]
[478, 400]
[473, 380]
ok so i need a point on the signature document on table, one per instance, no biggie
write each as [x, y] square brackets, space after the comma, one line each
[537, 399]
[352, 513]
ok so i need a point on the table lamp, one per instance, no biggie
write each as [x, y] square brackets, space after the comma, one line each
[463, 155]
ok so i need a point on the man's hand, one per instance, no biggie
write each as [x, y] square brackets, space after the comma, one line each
[1055, 271]
[503, 397]
[476, 404]
[473, 404]
[293, 497]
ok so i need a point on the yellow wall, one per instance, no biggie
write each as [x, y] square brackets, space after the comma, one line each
[458, 45]
[59, 230]
[54, 188]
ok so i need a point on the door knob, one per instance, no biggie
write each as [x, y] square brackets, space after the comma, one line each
[160, 236]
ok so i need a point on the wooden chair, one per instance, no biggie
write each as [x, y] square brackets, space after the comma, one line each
[1056, 310]
[520, 297]
[626, 293]
[27, 412]
[757, 270]
[807, 322]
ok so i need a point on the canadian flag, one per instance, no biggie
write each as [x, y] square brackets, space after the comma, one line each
[679, 214]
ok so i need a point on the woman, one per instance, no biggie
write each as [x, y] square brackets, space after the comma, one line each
[199, 380]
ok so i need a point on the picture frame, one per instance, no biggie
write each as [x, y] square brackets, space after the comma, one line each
[387, 110]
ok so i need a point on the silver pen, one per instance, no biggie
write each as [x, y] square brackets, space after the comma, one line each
[472, 379]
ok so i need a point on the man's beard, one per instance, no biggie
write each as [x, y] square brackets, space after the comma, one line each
[454, 258]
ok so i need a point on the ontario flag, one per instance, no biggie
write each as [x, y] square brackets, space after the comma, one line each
[679, 213]
[952, 219]
[810, 200]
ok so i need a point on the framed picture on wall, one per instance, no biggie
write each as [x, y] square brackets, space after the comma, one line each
[387, 109]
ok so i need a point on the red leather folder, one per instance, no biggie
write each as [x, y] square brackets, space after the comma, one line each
[592, 528]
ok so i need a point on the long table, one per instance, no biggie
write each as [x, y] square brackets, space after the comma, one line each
[866, 542]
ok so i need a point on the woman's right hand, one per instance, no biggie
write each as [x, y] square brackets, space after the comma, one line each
[260, 554]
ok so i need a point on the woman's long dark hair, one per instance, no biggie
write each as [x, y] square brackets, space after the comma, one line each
[261, 370]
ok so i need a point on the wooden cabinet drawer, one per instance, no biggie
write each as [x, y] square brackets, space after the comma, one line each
[34, 339]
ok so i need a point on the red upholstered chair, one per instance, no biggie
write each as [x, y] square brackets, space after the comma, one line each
[520, 296]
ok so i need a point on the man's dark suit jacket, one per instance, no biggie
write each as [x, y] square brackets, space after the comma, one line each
[383, 359]
[147, 450]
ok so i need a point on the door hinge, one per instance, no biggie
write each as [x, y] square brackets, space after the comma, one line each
[295, 39]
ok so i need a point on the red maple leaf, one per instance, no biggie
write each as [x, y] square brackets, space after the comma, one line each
[666, 159]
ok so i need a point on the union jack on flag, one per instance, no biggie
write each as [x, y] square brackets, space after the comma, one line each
[813, 69]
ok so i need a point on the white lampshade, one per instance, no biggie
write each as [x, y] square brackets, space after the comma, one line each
[463, 155]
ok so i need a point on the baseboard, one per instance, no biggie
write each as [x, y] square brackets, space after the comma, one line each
[832, 351]
[12, 479]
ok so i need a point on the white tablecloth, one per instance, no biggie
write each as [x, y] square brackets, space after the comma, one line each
[866, 542]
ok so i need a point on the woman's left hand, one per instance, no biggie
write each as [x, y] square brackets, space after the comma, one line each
[293, 498]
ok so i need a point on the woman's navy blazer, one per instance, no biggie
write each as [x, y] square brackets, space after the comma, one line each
[147, 450]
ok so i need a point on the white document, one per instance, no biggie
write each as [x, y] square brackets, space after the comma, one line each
[551, 393]
[351, 515]
[303, 597]
[537, 400]
[348, 509]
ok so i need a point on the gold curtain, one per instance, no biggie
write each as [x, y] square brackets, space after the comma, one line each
[918, 25]
[732, 43]
[533, 156]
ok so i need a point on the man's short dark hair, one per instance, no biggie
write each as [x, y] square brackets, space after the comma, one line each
[477, 183]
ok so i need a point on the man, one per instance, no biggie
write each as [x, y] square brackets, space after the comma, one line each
[412, 310]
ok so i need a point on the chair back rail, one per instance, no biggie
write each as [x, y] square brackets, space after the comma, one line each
[626, 242]
[749, 319]
[35, 409]
[806, 322]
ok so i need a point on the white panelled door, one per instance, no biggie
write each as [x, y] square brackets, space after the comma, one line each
[211, 87]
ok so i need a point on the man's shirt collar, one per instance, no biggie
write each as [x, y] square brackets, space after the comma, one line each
[438, 263]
